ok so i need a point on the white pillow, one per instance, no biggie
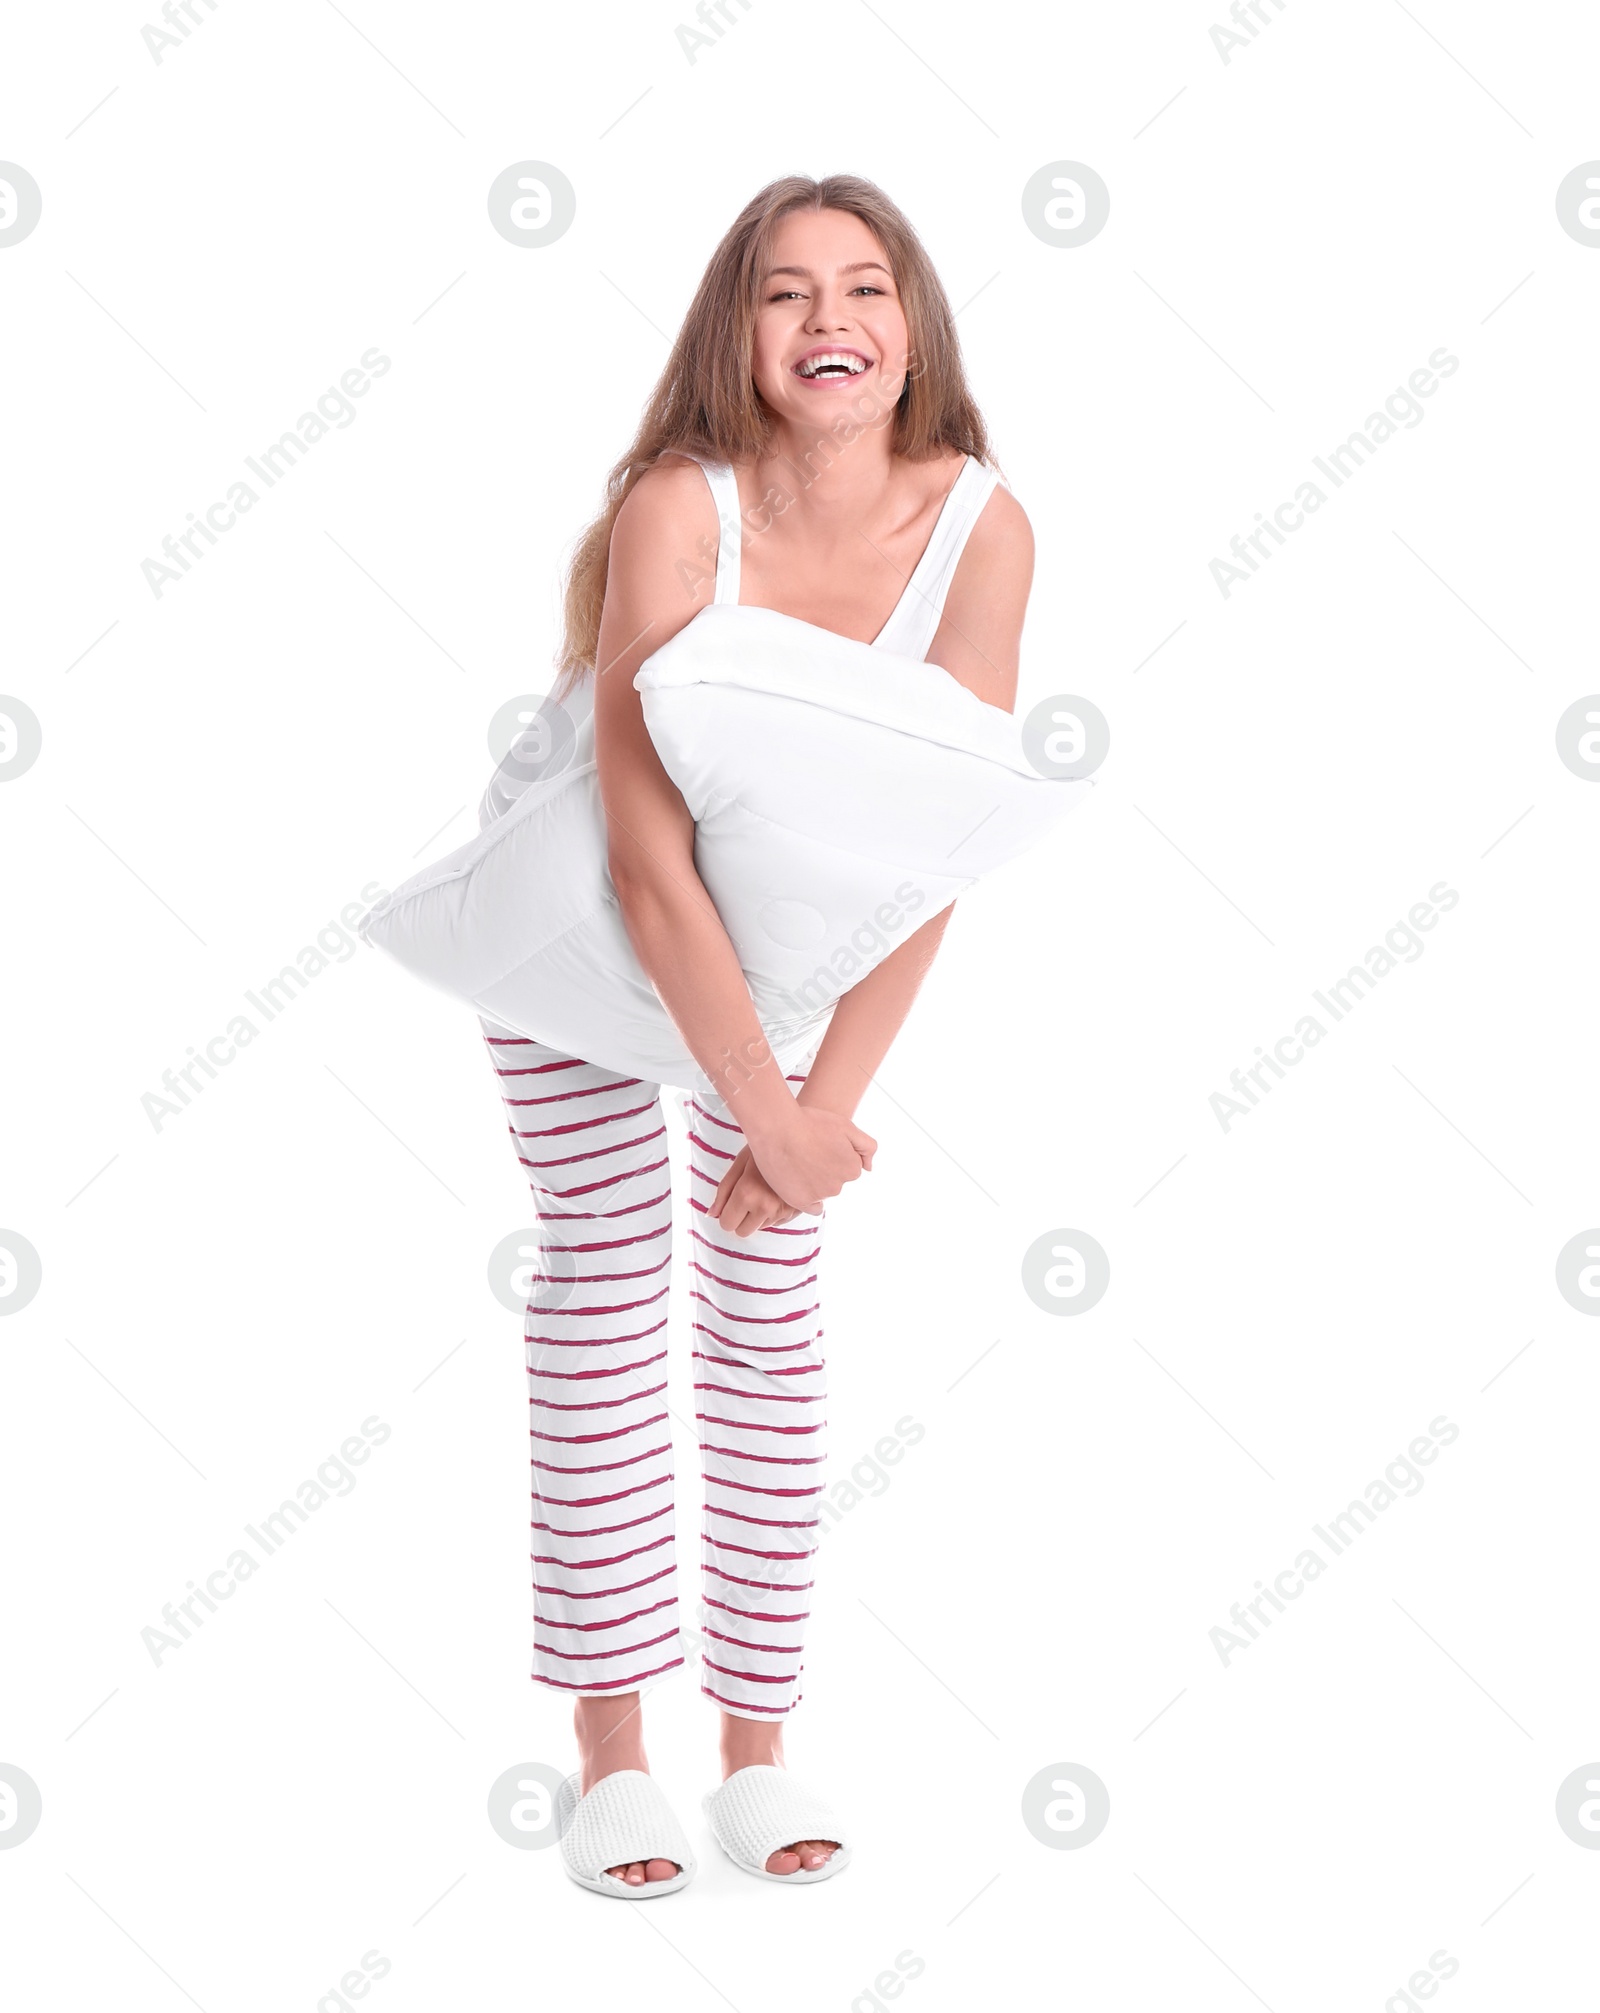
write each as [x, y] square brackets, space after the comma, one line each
[841, 795]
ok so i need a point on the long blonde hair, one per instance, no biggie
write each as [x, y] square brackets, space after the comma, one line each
[705, 401]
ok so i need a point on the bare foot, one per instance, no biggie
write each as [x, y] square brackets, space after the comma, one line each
[611, 1737]
[749, 1743]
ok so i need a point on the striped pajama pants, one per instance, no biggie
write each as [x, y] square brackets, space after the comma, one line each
[605, 1580]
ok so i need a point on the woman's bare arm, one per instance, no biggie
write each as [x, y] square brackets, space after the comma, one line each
[657, 581]
[867, 1020]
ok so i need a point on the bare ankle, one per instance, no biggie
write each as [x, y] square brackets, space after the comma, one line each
[610, 1735]
[748, 1743]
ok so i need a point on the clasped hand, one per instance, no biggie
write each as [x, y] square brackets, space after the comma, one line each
[791, 1172]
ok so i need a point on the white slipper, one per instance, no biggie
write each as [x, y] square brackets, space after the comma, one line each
[624, 1818]
[759, 1810]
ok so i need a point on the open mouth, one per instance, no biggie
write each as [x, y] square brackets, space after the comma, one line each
[831, 365]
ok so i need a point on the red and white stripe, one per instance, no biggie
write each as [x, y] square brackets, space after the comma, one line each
[606, 1612]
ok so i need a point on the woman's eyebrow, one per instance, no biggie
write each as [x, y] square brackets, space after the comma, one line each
[804, 272]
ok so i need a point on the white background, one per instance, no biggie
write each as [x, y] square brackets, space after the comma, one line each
[1292, 1300]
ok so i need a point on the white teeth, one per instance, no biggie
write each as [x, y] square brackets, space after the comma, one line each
[853, 364]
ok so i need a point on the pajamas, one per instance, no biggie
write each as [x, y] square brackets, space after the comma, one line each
[605, 1580]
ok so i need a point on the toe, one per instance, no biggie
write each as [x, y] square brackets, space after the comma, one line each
[637, 1872]
[803, 1856]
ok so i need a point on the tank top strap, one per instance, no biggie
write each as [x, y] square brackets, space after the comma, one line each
[725, 495]
[915, 622]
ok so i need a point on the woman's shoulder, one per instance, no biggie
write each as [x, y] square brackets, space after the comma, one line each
[670, 499]
[1003, 517]
[1001, 514]
[1001, 524]
[671, 477]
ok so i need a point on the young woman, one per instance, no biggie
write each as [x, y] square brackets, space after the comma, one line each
[812, 448]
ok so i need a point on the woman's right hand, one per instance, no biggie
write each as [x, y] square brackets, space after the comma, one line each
[811, 1155]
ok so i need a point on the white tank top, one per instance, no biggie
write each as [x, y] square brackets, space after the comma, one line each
[909, 631]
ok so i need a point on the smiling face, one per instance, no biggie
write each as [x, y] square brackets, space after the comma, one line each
[829, 324]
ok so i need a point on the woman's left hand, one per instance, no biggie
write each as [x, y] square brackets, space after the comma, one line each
[744, 1203]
